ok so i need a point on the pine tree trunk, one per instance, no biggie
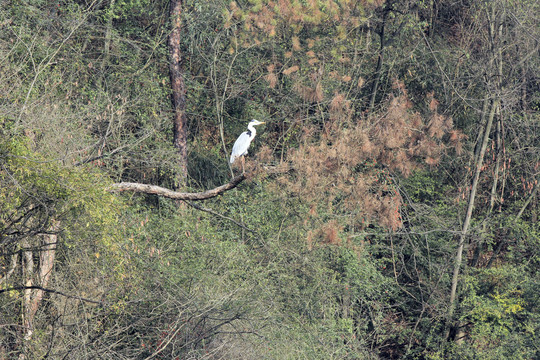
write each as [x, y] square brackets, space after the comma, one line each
[178, 89]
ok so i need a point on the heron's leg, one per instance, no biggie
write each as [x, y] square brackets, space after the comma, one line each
[243, 163]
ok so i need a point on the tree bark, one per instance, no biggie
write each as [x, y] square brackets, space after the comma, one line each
[178, 88]
[46, 263]
[33, 294]
[28, 272]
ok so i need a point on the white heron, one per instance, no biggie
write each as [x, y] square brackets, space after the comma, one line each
[241, 145]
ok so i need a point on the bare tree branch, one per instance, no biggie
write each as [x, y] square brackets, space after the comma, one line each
[15, 288]
[160, 191]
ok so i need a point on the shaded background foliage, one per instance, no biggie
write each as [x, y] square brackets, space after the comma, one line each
[340, 246]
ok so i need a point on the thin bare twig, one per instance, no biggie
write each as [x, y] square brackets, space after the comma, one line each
[210, 211]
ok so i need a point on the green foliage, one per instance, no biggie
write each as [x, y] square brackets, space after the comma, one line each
[41, 196]
[73, 196]
[501, 316]
[207, 264]
[315, 257]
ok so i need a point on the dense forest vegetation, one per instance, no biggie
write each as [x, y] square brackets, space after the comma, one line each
[388, 209]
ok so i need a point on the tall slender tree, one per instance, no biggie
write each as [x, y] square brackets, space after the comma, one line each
[492, 101]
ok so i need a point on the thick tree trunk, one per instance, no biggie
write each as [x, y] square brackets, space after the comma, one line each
[178, 89]
[33, 293]
[46, 262]
[28, 274]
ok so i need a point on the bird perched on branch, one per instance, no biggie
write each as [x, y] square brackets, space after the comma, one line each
[241, 145]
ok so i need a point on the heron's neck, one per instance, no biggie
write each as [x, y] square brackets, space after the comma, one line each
[252, 130]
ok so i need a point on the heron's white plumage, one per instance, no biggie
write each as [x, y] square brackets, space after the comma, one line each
[241, 145]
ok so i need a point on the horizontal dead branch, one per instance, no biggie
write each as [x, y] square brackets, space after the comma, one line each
[160, 191]
[17, 288]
